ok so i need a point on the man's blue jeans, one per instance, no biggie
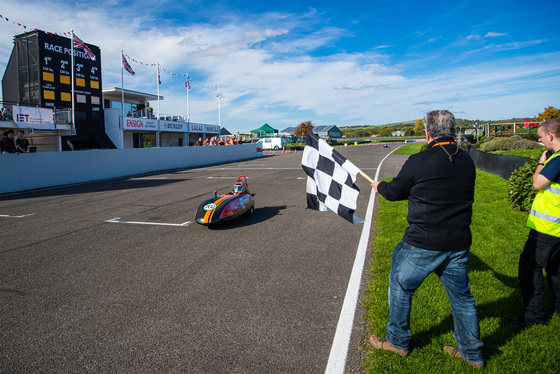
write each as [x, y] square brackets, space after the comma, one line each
[410, 266]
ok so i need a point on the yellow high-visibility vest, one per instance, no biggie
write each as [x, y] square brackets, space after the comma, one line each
[545, 211]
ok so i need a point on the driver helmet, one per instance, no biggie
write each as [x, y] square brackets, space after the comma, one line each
[240, 188]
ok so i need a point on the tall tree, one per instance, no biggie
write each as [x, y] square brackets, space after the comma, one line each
[301, 130]
[550, 112]
[419, 127]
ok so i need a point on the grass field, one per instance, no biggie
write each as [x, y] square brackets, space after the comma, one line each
[499, 233]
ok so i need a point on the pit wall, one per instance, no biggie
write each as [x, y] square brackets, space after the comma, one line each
[500, 165]
[48, 169]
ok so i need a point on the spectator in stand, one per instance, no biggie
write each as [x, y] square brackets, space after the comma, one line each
[6, 114]
[221, 141]
[206, 142]
[198, 142]
[8, 144]
[234, 140]
[134, 113]
[22, 144]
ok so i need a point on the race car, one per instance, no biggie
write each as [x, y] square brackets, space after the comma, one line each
[222, 208]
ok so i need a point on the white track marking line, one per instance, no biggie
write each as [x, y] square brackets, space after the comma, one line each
[116, 220]
[223, 178]
[11, 216]
[149, 178]
[339, 349]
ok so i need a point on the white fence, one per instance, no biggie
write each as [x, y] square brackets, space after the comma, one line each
[47, 169]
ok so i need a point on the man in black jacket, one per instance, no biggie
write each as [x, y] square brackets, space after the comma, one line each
[439, 186]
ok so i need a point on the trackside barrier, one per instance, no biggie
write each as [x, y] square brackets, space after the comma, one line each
[499, 165]
[48, 169]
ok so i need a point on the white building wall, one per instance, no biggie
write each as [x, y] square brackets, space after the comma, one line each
[47, 169]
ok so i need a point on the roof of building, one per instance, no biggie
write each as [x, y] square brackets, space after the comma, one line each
[115, 93]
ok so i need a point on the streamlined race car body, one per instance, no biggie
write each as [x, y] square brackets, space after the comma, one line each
[222, 208]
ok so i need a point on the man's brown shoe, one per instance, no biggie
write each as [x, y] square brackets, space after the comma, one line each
[383, 344]
[455, 353]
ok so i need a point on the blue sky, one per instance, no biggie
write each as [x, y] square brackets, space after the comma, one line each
[329, 62]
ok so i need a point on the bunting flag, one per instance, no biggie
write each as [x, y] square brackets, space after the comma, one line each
[331, 179]
[127, 66]
[79, 44]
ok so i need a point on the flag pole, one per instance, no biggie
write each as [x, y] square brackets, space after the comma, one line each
[366, 176]
[157, 90]
[188, 109]
[219, 107]
[122, 91]
[72, 83]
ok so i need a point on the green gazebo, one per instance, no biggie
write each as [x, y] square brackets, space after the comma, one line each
[265, 130]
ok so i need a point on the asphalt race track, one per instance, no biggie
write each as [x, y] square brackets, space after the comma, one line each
[115, 276]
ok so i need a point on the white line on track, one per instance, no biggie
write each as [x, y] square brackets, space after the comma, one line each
[254, 169]
[116, 220]
[142, 178]
[21, 216]
[339, 349]
[223, 178]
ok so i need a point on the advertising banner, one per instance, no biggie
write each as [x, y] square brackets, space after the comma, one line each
[198, 128]
[174, 126]
[36, 118]
[213, 128]
[141, 124]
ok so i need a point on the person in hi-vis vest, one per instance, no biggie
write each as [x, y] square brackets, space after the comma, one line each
[542, 249]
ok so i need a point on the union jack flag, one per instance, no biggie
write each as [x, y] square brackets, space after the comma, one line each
[127, 66]
[187, 84]
[79, 44]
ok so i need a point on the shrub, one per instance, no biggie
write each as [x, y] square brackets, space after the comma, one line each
[513, 142]
[520, 186]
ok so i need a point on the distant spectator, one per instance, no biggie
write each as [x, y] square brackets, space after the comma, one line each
[206, 142]
[8, 145]
[134, 113]
[22, 144]
[6, 115]
[234, 140]
[198, 142]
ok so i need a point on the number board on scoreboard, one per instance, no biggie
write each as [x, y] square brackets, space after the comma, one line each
[55, 54]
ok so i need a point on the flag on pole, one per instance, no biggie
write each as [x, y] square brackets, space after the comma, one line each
[127, 66]
[218, 95]
[330, 179]
[187, 84]
[158, 76]
[79, 44]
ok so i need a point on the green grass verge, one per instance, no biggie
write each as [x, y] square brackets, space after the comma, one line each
[409, 149]
[522, 152]
[499, 233]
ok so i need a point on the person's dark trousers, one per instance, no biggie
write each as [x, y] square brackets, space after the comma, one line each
[541, 251]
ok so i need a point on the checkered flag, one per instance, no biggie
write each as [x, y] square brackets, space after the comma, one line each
[330, 179]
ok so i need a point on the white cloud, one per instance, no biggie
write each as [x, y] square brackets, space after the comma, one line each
[494, 34]
[268, 73]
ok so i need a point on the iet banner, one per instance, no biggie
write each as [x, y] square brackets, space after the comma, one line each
[31, 117]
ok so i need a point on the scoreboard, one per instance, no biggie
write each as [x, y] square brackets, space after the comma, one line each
[55, 76]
